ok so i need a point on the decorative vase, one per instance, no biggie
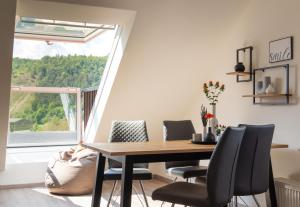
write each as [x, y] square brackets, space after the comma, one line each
[204, 132]
[270, 89]
[210, 137]
[260, 87]
[239, 67]
[267, 82]
[214, 120]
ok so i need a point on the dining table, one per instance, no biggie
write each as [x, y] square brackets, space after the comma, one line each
[129, 153]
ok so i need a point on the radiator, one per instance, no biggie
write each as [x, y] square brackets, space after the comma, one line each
[287, 192]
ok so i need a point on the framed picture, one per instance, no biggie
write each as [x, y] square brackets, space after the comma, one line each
[281, 50]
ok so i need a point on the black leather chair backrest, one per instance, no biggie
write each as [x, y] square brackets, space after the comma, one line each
[179, 130]
[222, 167]
[128, 131]
[253, 165]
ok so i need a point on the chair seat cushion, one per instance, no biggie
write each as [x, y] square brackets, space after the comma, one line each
[183, 193]
[138, 174]
[188, 171]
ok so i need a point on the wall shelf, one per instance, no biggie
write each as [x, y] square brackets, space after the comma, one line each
[239, 73]
[266, 95]
[280, 96]
[247, 75]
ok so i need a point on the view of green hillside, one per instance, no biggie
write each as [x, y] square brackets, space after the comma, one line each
[41, 112]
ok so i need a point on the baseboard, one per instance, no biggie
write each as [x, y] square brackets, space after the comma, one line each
[36, 185]
[31, 185]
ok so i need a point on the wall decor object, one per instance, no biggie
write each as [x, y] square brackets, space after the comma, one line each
[270, 89]
[210, 137]
[243, 57]
[260, 87]
[266, 87]
[204, 120]
[281, 50]
[212, 92]
[267, 82]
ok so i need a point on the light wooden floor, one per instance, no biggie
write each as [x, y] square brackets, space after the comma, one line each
[39, 197]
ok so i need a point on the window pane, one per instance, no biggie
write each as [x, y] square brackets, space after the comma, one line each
[47, 78]
[42, 118]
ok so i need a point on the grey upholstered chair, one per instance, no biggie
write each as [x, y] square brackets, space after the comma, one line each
[220, 176]
[252, 175]
[182, 130]
[128, 131]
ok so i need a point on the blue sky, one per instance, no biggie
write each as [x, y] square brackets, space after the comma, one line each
[99, 46]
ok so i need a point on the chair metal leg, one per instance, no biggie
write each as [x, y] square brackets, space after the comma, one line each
[256, 201]
[144, 194]
[243, 201]
[137, 194]
[113, 190]
[173, 204]
[118, 192]
[235, 201]
[111, 194]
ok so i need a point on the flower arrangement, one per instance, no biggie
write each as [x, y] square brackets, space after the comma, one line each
[220, 129]
[212, 91]
[205, 116]
[209, 116]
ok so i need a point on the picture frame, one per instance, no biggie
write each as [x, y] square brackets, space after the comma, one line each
[281, 50]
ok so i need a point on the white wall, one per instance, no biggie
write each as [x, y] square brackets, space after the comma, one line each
[261, 22]
[7, 19]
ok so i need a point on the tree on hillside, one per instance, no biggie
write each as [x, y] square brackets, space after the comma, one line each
[59, 71]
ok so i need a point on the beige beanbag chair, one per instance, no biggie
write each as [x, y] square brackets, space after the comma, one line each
[71, 172]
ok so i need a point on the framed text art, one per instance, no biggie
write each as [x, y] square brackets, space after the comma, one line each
[281, 50]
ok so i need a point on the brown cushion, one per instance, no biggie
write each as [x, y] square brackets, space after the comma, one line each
[72, 172]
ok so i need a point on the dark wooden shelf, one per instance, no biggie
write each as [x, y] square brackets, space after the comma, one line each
[266, 95]
[239, 73]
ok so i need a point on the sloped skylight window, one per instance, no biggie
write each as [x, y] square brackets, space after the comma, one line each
[44, 29]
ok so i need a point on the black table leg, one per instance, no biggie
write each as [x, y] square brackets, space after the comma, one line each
[98, 181]
[126, 191]
[272, 192]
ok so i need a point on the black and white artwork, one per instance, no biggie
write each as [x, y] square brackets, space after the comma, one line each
[281, 50]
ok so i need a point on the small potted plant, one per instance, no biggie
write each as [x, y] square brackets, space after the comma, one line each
[219, 130]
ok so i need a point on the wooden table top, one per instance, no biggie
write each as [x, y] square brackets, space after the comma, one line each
[159, 147]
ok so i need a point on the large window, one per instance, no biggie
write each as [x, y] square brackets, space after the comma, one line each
[53, 60]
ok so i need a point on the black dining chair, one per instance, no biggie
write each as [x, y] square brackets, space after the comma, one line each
[220, 176]
[182, 130]
[128, 131]
[252, 174]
